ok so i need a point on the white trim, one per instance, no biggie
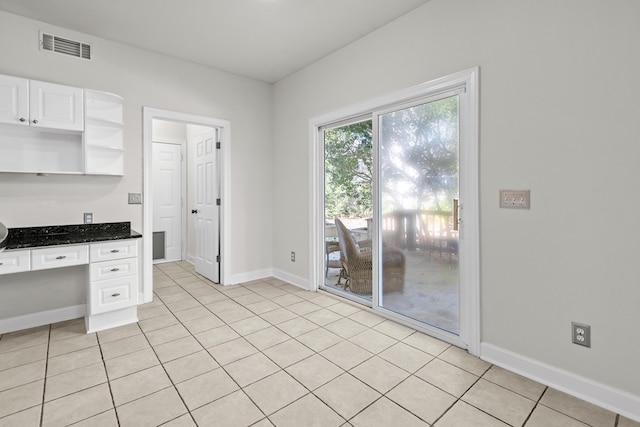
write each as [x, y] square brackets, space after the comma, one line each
[42, 318]
[298, 281]
[470, 274]
[225, 215]
[615, 400]
[250, 276]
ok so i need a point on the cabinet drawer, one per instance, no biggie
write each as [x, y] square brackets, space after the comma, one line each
[112, 269]
[117, 249]
[14, 262]
[113, 294]
[60, 256]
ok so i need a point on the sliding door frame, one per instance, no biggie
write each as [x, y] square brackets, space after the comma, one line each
[468, 82]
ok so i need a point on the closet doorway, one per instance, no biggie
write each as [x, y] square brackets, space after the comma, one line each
[184, 188]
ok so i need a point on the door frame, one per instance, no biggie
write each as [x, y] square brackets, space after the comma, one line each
[469, 337]
[149, 114]
[183, 193]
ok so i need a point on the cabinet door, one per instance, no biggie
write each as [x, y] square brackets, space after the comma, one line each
[14, 100]
[113, 294]
[56, 106]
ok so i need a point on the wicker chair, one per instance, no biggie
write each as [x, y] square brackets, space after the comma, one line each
[358, 266]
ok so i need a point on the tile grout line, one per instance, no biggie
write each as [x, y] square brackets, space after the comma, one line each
[535, 406]
[44, 381]
[170, 380]
[106, 373]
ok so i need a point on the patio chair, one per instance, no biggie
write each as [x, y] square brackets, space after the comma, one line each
[358, 265]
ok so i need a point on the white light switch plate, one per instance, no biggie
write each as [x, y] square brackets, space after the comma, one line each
[515, 199]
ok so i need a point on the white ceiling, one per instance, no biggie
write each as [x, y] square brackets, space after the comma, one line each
[266, 40]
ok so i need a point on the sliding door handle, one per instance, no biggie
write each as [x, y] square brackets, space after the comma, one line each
[456, 215]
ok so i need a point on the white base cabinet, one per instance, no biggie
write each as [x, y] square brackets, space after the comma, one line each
[112, 287]
[112, 291]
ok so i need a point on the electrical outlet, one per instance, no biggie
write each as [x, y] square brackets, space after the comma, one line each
[293, 256]
[581, 334]
[515, 199]
[88, 218]
[135, 198]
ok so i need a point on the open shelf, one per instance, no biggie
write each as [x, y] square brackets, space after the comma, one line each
[104, 134]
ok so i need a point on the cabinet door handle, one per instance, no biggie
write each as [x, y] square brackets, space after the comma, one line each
[35, 122]
[61, 257]
[115, 295]
[22, 119]
[115, 251]
[1, 263]
[115, 269]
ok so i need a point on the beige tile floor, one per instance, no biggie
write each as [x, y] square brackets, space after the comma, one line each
[260, 354]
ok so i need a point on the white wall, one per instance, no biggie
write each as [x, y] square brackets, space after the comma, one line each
[151, 80]
[559, 115]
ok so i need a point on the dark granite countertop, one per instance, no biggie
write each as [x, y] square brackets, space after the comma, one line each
[33, 237]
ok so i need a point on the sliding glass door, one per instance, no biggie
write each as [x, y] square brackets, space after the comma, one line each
[419, 193]
[348, 208]
[390, 228]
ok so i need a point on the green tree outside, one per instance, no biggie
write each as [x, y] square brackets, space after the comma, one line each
[418, 161]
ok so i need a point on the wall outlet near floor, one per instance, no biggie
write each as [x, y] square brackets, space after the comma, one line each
[581, 334]
[293, 256]
[135, 198]
[88, 217]
[515, 199]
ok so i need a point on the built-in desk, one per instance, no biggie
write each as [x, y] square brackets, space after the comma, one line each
[111, 252]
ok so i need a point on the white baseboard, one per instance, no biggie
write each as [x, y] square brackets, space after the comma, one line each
[41, 318]
[290, 278]
[615, 400]
[249, 276]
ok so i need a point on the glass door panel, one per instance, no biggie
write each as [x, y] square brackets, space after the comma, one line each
[419, 191]
[348, 210]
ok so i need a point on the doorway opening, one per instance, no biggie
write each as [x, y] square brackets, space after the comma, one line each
[185, 182]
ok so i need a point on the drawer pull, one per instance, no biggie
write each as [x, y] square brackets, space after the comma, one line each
[115, 251]
[115, 295]
[1, 263]
[61, 257]
[115, 269]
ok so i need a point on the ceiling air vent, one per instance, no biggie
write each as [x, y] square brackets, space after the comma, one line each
[65, 46]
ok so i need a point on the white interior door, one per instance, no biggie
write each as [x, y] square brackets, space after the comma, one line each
[167, 200]
[207, 209]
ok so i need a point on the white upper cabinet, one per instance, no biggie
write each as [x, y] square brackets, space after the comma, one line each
[40, 104]
[55, 106]
[51, 128]
[14, 100]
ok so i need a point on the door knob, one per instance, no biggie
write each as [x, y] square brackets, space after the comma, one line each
[194, 211]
